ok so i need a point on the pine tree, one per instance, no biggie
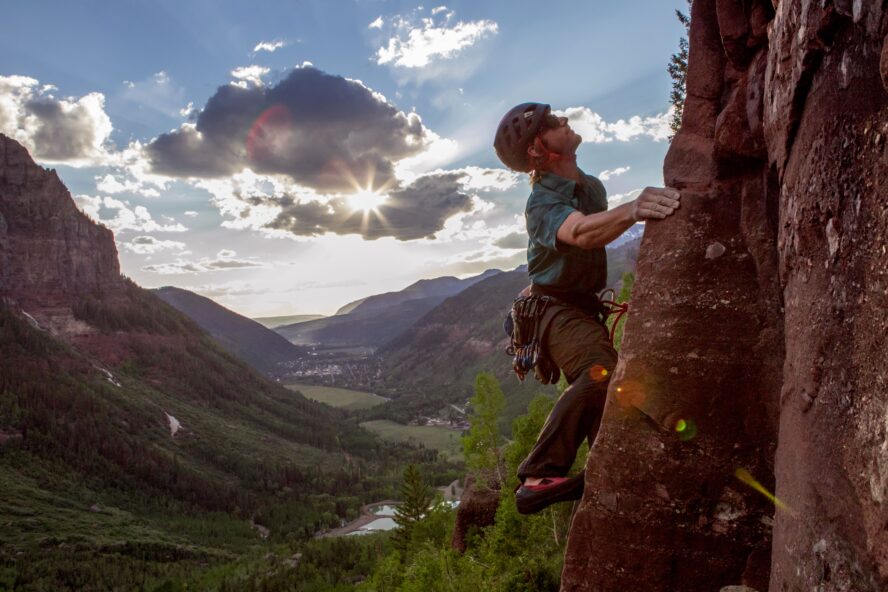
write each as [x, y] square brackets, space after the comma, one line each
[678, 71]
[482, 445]
[416, 497]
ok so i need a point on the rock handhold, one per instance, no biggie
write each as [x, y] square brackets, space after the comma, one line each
[715, 250]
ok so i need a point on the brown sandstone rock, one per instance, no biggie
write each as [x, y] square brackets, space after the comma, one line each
[764, 299]
[884, 63]
[832, 461]
[701, 354]
[477, 509]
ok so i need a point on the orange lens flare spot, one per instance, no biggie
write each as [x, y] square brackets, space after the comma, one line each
[630, 394]
[598, 373]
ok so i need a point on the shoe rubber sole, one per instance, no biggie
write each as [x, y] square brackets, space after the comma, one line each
[531, 502]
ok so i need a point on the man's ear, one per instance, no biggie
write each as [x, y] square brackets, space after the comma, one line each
[532, 151]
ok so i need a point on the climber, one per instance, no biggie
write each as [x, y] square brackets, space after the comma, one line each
[568, 224]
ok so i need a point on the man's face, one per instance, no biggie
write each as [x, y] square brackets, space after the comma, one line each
[561, 139]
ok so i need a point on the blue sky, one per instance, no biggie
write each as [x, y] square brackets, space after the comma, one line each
[289, 157]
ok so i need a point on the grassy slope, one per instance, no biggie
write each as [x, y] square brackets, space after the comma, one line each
[338, 397]
[444, 440]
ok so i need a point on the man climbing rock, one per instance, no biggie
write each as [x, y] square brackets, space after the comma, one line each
[559, 317]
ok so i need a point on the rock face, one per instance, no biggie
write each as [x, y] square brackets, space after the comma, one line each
[832, 166]
[759, 315]
[49, 250]
[477, 509]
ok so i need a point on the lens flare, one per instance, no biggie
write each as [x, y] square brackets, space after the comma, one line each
[686, 429]
[598, 373]
[270, 134]
[744, 476]
[366, 200]
[630, 394]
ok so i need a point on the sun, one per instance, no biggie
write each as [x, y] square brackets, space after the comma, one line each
[366, 200]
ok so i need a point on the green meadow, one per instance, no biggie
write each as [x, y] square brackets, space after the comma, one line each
[338, 397]
[444, 440]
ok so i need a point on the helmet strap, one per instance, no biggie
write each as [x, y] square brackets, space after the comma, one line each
[548, 156]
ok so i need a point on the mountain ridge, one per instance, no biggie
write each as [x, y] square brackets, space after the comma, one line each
[244, 338]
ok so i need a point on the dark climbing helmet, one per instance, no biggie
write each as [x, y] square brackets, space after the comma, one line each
[517, 131]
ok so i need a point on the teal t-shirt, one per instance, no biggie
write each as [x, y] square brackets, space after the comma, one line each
[550, 262]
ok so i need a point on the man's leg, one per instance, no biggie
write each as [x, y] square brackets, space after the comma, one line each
[581, 347]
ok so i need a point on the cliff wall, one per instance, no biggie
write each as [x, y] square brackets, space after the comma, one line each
[759, 314]
[50, 252]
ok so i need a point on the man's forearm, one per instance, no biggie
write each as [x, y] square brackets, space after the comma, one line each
[596, 230]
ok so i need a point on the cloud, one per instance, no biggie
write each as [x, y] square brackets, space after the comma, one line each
[73, 131]
[483, 179]
[594, 129]
[250, 75]
[324, 132]
[414, 212]
[191, 214]
[223, 261]
[235, 288]
[124, 218]
[516, 240]
[269, 46]
[480, 260]
[619, 199]
[158, 92]
[148, 245]
[433, 38]
[376, 24]
[610, 174]
[111, 184]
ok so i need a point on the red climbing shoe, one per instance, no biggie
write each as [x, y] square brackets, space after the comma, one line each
[530, 499]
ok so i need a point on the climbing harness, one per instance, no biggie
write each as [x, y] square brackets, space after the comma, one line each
[524, 326]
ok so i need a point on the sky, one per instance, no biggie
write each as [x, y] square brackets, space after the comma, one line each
[288, 157]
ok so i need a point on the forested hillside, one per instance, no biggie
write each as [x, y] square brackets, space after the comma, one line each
[132, 440]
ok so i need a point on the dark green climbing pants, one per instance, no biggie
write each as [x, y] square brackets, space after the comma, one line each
[580, 345]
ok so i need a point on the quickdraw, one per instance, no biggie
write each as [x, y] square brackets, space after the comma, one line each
[611, 306]
[526, 345]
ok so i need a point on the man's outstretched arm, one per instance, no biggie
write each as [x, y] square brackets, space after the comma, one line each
[593, 231]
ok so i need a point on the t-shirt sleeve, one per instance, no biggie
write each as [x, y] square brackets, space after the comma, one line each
[544, 217]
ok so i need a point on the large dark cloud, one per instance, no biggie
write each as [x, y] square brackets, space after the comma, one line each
[416, 211]
[64, 131]
[516, 240]
[324, 131]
